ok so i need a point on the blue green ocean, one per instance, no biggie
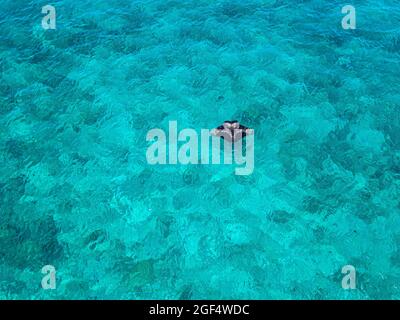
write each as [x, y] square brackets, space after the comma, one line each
[76, 190]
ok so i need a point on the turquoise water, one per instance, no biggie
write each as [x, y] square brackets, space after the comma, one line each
[76, 191]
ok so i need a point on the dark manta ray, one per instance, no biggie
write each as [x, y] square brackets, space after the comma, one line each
[232, 131]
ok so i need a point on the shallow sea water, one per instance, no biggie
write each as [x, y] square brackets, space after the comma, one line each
[76, 191]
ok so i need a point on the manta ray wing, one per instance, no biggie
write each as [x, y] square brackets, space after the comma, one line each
[232, 131]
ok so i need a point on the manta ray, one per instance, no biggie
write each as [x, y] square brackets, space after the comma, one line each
[232, 131]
